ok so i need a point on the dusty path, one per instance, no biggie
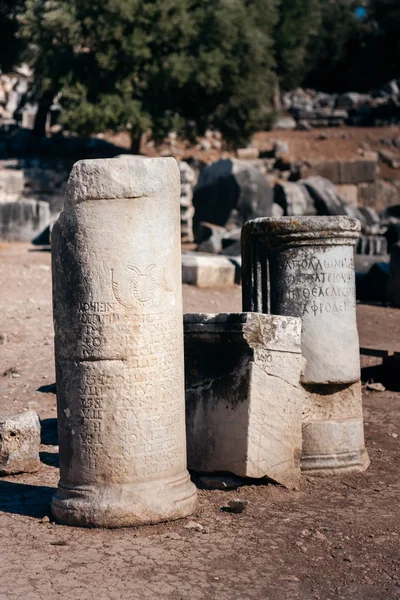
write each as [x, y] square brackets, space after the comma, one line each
[334, 538]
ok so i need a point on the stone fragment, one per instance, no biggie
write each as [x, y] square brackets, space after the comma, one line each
[119, 346]
[229, 192]
[243, 400]
[207, 270]
[394, 277]
[22, 221]
[248, 153]
[19, 443]
[333, 430]
[194, 526]
[349, 192]
[209, 237]
[237, 505]
[379, 195]
[294, 199]
[372, 245]
[12, 184]
[188, 180]
[344, 172]
[310, 268]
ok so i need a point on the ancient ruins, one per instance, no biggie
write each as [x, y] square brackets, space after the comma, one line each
[269, 391]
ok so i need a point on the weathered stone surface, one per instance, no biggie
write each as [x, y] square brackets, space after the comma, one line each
[19, 443]
[333, 430]
[349, 193]
[209, 237]
[243, 400]
[394, 278]
[229, 192]
[119, 346]
[294, 199]
[11, 185]
[188, 179]
[207, 270]
[372, 245]
[379, 195]
[344, 172]
[22, 221]
[304, 267]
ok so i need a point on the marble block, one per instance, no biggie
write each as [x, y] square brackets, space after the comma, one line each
[243, 399]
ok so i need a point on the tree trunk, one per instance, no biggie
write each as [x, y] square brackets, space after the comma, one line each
[136, 142]
[45, 103]
[277, 96]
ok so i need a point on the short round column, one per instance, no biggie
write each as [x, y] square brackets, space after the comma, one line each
[304, 267]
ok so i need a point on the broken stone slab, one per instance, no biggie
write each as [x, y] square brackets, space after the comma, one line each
[229, 192]
[19, 443]
[344, 172]
[333, 430]
[294, 199]
[243, 399]
[119, 346]
[22, 221]
[207, 270]
[304, 267]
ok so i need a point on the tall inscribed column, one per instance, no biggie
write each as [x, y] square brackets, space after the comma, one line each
[119, 345]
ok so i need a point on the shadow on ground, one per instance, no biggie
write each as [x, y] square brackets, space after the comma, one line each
[27, 500]
[49, 433]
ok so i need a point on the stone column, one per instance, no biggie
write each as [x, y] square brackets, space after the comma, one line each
[119, 346]
[304, 267]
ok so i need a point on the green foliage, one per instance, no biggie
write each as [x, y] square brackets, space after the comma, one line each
[185, 64]
[384, 16]
[337, 57]
[298, 23]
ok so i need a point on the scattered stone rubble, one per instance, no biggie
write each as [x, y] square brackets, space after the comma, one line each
[318, 109]
[19, 443]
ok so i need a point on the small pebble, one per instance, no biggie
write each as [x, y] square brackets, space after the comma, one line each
[237, 505]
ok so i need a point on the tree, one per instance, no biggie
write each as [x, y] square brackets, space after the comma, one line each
[384, 16]
[338, 58]
[298, 23]
[186, 65]
[11, 43]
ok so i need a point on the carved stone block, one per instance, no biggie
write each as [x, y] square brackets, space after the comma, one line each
[243, 400]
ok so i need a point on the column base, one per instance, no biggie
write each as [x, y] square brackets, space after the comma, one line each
[125, 505]
[334, 447]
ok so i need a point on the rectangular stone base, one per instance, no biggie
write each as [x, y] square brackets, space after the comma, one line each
[243, 400]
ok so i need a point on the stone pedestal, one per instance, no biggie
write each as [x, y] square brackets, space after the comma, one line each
[119, 346]
[333, 429]
[304, 267]
[243, 399]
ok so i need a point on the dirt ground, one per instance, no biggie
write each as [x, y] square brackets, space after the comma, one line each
[332, 539]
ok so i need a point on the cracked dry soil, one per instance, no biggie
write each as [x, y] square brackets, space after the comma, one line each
[333, 538]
